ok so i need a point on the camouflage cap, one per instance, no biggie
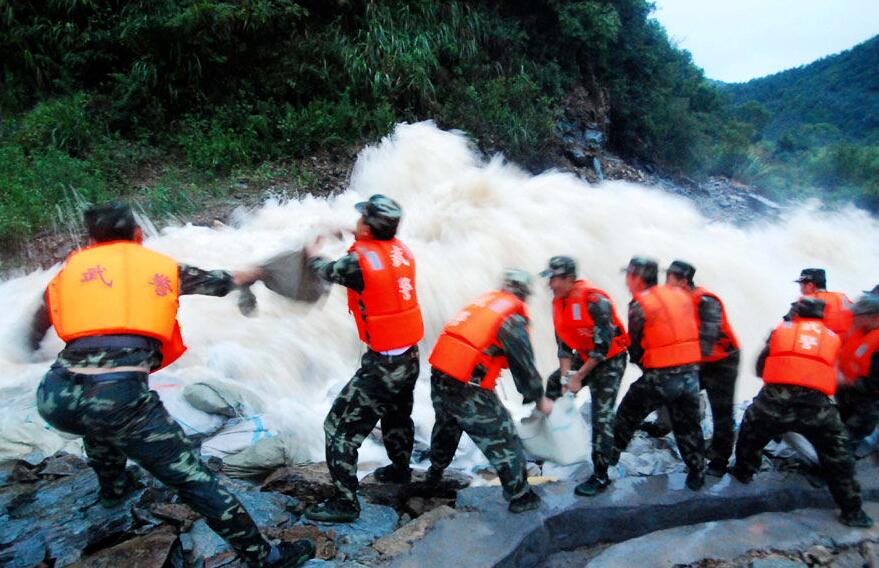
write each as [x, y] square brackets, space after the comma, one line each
[560, 266]
[875, 290]
[517, 281]
[644, 267]
[809, 307]
[682, 269]
[110, 221]
[816, 276]
[380, 213]
[867, 305]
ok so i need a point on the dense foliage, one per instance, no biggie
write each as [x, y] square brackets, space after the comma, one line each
[99, 95]
[820, 130]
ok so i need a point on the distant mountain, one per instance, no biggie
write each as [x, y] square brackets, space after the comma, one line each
[840, 90]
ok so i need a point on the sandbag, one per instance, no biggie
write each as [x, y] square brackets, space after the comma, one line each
[287, 274]
[268, 454]
[562, 437]
[224, 399]
[236, 435]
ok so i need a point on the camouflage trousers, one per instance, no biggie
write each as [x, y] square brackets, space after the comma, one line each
[381, 390]
[676, 388]
[604, 384]
[859, 410]
[460, 408]
[123, 419]
[784, 408]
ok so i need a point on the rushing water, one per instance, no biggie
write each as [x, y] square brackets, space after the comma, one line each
[465, 220]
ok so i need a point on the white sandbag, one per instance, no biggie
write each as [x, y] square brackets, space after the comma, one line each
[221, 397]
[193, 421]
[562, 437]
[268, 454]
[237, 435]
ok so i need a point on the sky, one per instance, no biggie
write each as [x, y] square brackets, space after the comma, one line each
[738, 40]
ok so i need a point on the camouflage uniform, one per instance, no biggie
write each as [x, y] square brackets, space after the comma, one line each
[674, 387]
[603, 381]
[119, 418]
[859, 403]
[381, 390]
[780, 408]
[463, 407]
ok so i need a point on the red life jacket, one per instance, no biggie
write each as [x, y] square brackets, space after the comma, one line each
[803, 353]
[464, 342]
[118, 288]
[838, 315]
[574, 325]
[856, 354]
[387, 313]
[727, 341]
[671, 334]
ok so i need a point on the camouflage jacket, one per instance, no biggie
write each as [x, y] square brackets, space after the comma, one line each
[344, 271]
[603, 331]
[192, 281]
[516, 347]
[710, 322]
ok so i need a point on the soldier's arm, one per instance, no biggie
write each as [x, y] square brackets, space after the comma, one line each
[761, 359]
[603, 331]
[710, 318]
[565, 354]
[636, 328]
[345, 271]
[194, 280]
[871, 381]
[516, 343]
[40, 324]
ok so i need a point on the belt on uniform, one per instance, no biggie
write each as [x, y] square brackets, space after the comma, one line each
[113, 342]
[110, 377]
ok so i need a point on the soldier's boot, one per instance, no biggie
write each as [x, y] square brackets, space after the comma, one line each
[109, 498]
[592, 486]
[745, 477]
[290, 554]
[858, 519]
[434, 476]
[716, 468]
[333, 510]
[393, 474]
[527, 502]
[695, 479]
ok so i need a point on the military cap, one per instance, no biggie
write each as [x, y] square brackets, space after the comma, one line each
[867, 305]
[517, 281]
[643, 267]
[809, 307]
[682, 269]
[110, 221]
[816, 276]
[560, 266]
[380, 213]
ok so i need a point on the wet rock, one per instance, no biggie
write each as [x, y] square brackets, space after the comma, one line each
[309, 483]
[776, 562]
[850, 558]
[401, 540]
[61, 465]
[158, 549]
[871, 554]
[819, 555]
[176, 513]
[202, 542]
[375, 521]
[418, 491]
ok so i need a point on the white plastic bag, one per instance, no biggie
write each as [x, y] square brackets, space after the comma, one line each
[562, 437]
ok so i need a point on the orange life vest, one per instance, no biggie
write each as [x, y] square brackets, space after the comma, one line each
[727, 341]
[856, 354]
[574, 325]
[671, 334]
[803, 353]
[838, 315]
[386, 312]
[464, 342]
[118, 288]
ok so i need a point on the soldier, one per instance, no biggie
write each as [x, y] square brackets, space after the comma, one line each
[837, 306]
[858, 397]
[798, 367]
[720, 362]
[379, 272]
[664, 339]
[592, 343]
[488, 335]
[115, 305]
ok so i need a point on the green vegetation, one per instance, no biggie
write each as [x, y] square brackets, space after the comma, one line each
[819, 127]
[168, 101]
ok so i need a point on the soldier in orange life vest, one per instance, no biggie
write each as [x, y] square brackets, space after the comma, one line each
[379, 272]
[798, 366]
[664, 336]
[837, 306]
[485, 337]
[592, 345]
[115, 305]
[858, 397]
[720, 362]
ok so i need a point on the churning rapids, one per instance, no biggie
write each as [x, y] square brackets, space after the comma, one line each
[465, 219]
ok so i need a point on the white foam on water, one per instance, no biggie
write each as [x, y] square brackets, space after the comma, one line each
[465, 220]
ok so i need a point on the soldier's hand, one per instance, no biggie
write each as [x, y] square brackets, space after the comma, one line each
[574, 384]
[544, 405]
[313, 249]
